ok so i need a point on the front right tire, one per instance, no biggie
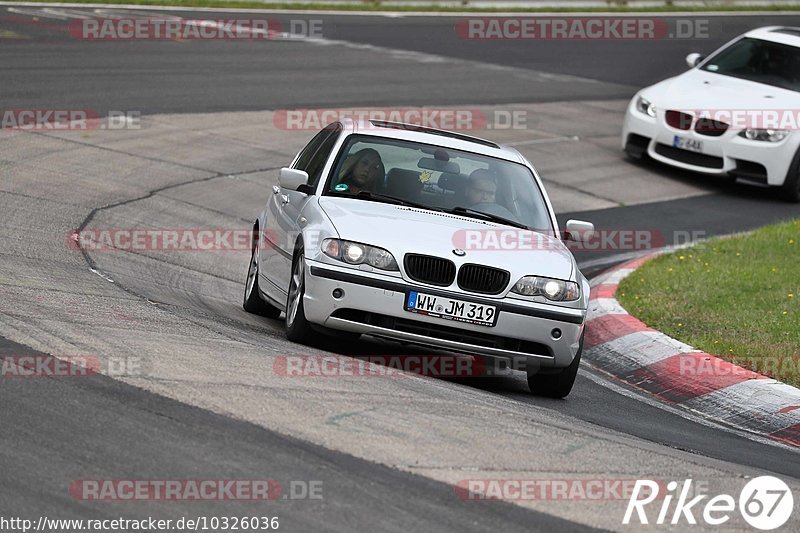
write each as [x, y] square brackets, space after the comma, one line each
[252, 302]
[298, 329]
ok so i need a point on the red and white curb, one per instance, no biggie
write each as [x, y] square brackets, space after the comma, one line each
[624, 347]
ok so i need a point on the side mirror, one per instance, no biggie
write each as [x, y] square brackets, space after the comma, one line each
[693, 59]
[579, 230]
[292, 179]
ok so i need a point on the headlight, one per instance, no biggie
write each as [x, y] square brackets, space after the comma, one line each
[771, 136]
[556, 290]
[354, 253]
[643, 105]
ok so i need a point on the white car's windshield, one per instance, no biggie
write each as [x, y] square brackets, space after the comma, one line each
[442, 179]
[761, 61]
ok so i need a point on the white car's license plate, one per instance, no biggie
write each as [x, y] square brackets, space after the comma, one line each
[450, 309]
[687, 144]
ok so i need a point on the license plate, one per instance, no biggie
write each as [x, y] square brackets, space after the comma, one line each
[450, 309]
[687, 144]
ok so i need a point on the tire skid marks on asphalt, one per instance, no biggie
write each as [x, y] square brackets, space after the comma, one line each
[83, 14]
[678, 374]
[396, 53]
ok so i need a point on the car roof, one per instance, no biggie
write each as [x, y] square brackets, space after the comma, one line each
[436, 137]
[789, 35]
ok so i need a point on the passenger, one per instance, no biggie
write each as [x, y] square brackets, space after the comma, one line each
[360, 172]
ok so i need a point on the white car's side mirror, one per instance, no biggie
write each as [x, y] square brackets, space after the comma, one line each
[693, 59]
[579, 230]
[292, 179]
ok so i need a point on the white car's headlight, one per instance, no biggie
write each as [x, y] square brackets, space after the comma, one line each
[771, 136]
[643, 105]
[556, 290]
[354, 253]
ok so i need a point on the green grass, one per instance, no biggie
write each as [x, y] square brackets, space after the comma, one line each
[736, 298]
[378, 6]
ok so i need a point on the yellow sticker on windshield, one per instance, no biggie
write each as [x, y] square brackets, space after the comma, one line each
[425, 176]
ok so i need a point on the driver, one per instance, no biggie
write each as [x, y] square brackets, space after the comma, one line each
[481, 188]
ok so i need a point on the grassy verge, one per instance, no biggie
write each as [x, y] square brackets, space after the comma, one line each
[378, 6]
[737, 298]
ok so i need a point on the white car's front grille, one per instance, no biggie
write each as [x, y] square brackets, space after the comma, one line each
[483, 279]
[430, 269]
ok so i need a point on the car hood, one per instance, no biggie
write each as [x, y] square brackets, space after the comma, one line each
[701, 90]
[402, 230]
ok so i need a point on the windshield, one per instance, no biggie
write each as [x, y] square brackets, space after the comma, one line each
[431, 177]
[760, 61]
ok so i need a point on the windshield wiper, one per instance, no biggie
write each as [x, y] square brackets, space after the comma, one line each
[369, 195]
[487, 216]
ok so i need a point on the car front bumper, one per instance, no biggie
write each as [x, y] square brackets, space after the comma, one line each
[729, 154]
[374, 304]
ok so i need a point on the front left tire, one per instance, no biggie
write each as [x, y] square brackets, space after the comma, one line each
[557, 385]
[790, 190]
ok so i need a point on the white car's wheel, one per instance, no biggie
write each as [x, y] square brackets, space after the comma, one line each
[252, 302]
[298, 328]
[556, 385]
[791, 187]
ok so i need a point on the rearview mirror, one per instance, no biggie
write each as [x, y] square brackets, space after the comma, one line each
[693, 59]
[292, 179]
[437, 165]
[579, 230]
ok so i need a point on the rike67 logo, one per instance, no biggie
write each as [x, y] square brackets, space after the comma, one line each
[765, 503]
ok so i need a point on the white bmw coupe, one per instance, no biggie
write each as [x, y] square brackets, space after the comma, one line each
[426, 237]
[735, 113]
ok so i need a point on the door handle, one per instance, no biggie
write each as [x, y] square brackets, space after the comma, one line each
[284, 199]
[276, 189]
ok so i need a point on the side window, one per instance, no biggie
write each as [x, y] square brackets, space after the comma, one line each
[310, 149]
[318, 160]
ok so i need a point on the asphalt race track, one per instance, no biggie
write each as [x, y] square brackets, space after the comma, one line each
[204, 400]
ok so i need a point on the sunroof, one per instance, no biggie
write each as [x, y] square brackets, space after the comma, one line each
[788, 31]
[433, 131]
